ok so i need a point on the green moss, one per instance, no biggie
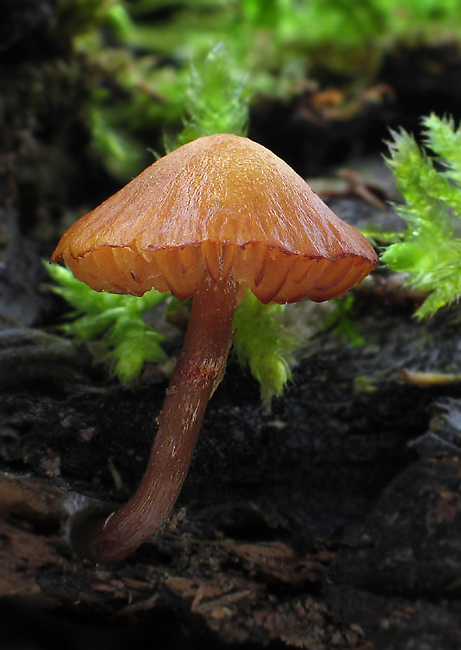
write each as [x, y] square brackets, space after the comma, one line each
[217, 98]
[264, 345]
[340, 323]
[430, 250]
[117, 319]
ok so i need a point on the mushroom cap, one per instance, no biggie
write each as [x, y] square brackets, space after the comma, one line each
[222, 205]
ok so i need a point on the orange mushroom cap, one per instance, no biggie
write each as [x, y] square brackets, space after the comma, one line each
[222, 205]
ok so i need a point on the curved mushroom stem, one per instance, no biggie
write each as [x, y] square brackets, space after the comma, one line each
[199, 369]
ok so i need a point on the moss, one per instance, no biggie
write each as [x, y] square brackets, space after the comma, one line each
[430, 251]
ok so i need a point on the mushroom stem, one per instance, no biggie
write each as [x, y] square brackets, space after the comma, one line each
[199, 369]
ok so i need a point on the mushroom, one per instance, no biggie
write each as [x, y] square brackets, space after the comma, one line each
[207, 221]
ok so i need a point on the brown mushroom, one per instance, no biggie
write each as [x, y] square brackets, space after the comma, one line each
[207, 221]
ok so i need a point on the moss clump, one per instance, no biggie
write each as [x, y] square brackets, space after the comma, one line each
[430, 250]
